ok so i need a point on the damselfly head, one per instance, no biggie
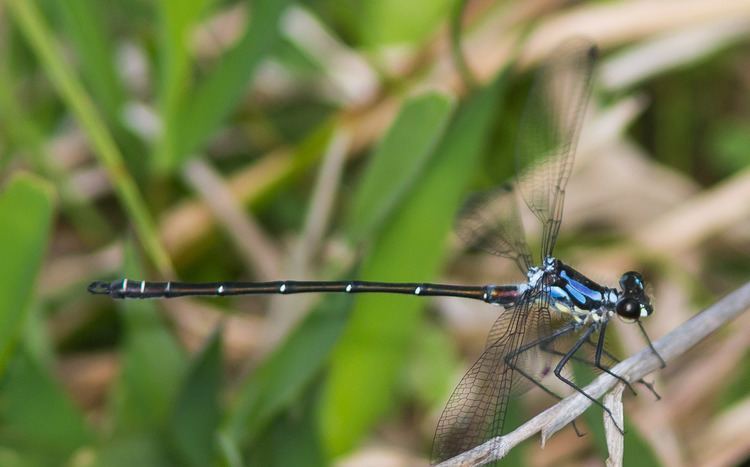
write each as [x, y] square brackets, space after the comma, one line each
[633, 303]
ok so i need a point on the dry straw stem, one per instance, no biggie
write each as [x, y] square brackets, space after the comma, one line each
[674, 344]
[256, 249]
[615, 440]
[716, 208]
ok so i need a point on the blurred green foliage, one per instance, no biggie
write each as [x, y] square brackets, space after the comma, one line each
[348, 366]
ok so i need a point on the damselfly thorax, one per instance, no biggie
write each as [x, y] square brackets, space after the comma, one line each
[566, 291]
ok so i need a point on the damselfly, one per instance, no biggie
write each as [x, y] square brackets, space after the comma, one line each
[553, 305]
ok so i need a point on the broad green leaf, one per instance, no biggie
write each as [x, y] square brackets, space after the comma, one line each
[638, 450]
[36, 341]
[583, 374]
[25, 216]
[398, 160]
[293, 438]
[376, 23]
[370, 354]
[735, 389]
[142, 450]
[396, 21]
[37, 413]
[431, 366]
[635, 446]
[14, 458]
[229, 454]
[283, 377]
[152, 363]
[729, 141]
[196, 414]
[23, 132]
[213, 99]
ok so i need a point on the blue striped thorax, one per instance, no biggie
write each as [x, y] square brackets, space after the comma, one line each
[572, 292]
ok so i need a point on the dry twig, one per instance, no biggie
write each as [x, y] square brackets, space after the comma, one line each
[615, 439]
[674, 344]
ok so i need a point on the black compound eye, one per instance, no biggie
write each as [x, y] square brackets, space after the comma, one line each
[628, 308]
[631, 282]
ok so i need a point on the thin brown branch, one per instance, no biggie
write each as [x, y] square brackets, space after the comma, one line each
[256, 248]
[671, 346]
[284, 314]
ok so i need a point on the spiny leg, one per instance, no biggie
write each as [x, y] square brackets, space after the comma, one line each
[564, 361]
[590, 363]
[598, 358]
[540, 342]
[649, 386]
[648, 340]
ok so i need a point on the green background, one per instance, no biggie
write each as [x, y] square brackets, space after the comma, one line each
[109, 110]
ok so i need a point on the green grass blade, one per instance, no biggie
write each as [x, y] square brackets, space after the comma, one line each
[26, 207]
[369, 356]
[376, 23]
[196, 415]
[83, 24]
[152, 364]
[177, 22]
[229, 452]
[214, 98]
[293, 366]
[23, 133]
[398, 161]
[429, 374]
[397, 22]
[37, 33]
[142, 450]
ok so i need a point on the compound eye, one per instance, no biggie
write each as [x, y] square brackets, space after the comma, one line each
[628, 308]
[631, 282]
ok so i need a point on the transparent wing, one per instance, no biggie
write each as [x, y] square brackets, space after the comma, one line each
[490, 221]
[549, 130]
[476, 410]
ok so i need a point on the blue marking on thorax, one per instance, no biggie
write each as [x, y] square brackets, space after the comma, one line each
[576, 295]
[558, 294]
[582, 294]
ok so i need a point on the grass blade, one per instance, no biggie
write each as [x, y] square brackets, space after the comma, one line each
[294, 365]
[25, 134]
[83, 23]
[177, 21]
[37, 33]
[152, 364]
[196, 414]
[213, 99]
[369, 356]
[398, 161]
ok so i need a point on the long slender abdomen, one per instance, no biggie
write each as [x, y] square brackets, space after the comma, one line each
[128, 288]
